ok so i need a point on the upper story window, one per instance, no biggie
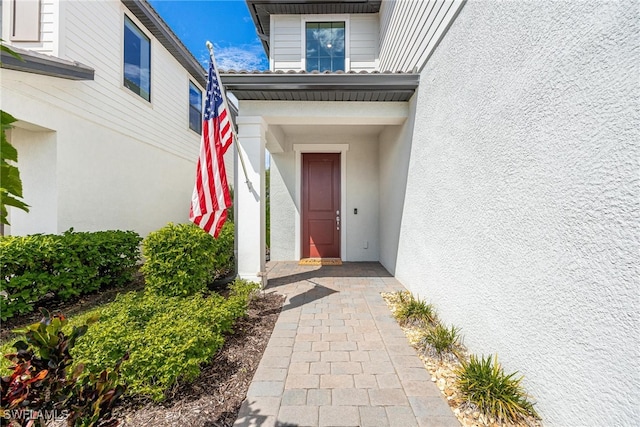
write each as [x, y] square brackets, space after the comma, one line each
[325, 46]
[195, 108]
[137, 60]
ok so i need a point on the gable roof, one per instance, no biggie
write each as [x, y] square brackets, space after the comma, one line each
[315, 86]
[147, 15]
[261, 10]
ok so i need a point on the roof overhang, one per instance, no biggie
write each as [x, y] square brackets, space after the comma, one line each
[142, 10]
[37, 63]
[261, 10]
[370, 87]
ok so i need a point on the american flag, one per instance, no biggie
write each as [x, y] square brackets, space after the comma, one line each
[211, 197]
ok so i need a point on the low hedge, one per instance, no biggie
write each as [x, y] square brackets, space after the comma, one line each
[168, 337]
[64, 265]
[181, 259]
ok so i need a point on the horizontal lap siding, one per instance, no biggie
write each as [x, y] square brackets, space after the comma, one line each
[286, 43]
[410, 31]
[363, 42]
[99, 44]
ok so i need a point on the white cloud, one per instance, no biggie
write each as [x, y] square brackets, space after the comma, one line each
[243, 57]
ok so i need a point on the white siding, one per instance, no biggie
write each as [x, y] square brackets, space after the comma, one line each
[162, 122]
[122, 162]
[411, 30]
[521, 214]
[50, 13]
[363, 42]
[287, 41]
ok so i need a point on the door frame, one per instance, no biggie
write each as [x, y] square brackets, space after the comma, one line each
[321, 148]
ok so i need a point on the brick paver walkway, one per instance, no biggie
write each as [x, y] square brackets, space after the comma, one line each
[338, 358]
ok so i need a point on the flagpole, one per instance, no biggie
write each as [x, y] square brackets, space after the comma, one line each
[233, 129]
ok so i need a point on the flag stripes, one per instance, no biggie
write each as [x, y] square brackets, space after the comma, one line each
[211, 197]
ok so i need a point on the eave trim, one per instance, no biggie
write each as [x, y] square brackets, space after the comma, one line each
[37, 63]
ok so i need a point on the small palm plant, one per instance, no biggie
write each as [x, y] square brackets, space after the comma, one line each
[414, 311]
[441, 340]
[483, 382]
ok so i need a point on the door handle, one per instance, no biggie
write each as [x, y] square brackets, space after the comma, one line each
[338, 220]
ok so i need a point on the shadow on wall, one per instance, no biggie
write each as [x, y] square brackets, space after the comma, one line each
[395, 152]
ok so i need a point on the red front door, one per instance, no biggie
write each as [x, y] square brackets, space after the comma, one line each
[321, 205]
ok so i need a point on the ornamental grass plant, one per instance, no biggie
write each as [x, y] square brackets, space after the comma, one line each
[441, 340]
[483, 382]
[414, 311]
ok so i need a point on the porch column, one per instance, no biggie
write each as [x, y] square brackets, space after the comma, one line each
[249, 199]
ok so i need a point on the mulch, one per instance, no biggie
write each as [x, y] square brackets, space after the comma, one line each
[215, 397]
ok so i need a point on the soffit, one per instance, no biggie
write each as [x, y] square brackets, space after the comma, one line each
[261, 10]
[338, 86]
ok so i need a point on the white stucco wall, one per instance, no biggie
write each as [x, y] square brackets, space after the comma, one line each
[394, 154]
[521, 216]
[282, 206]
[119, 161]
[90, 176]
[37, 165]
[362, 194]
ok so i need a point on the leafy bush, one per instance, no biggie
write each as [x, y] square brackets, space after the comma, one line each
[167, 337]
[66, 265]
[181, 259]
[484, 383]
[414, 311]
[441, 339]
[41, 379]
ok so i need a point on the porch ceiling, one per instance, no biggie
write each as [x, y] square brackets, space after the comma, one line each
[339, 86]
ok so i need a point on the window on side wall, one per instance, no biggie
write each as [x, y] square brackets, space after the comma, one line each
[137, 60]
[195, 108]
[325, 46]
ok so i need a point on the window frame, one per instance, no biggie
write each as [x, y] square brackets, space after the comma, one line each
[326, 18]
[190, 107]
[142, 30]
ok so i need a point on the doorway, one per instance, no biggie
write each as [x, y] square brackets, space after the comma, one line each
[321, 197]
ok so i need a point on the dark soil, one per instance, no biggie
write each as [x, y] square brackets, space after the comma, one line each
[214, 398]
[70, 307]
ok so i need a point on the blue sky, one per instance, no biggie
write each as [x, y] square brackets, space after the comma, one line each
[226, 23]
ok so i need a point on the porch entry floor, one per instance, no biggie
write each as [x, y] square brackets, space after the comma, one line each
[337, 357]
[320, 261]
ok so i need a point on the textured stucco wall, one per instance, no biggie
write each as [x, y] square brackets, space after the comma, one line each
[521, 216]
[283, 207]
[101, 177]
[37, 165]
[394, 154]
[362, 193]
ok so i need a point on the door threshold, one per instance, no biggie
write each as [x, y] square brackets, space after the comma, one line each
[320, 261]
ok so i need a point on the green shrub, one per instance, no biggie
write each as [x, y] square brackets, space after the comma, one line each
[41, 379]
[484, 383]
[167, 337]
[65, 265]
[441, 339]
[181, 259]
[414, 311]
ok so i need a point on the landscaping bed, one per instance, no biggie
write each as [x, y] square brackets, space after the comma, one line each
[213, 399]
